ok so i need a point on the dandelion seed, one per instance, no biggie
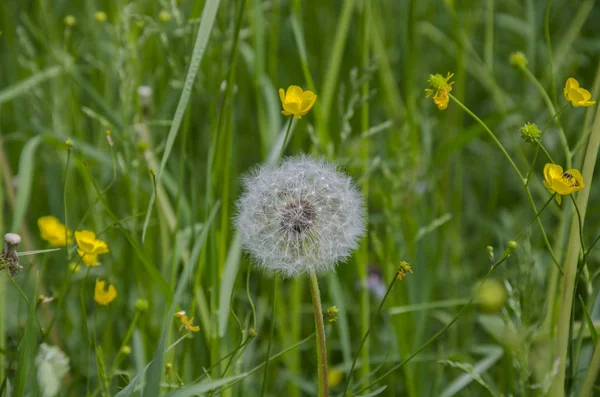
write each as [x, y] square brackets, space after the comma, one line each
[9, 258]
[52, 366]
[301, 217]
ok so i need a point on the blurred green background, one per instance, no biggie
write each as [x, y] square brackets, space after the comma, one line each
[438, 190]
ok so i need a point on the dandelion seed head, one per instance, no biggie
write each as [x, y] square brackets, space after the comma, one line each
[303, 216]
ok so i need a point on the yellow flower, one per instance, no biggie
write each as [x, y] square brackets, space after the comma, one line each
[563, 183]
[296, 101]
[186, 322]
[334, 377]
[100, 16]
[70, 20]
[102, 296]
[89, 247]
[404, 268]
[164, 16]
[441, 87]
[576, 95]
[54, 232]
[491, 296]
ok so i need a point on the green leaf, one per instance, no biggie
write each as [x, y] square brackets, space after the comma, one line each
[201, 387]
[589, 322]
[26, 85]
[375, 393]
[27, 163]
[473, 373]
[28, 346]
[230, 272]
[156, 369]
[209, 14]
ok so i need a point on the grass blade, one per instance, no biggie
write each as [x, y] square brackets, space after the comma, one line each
[26, 85]
[206, 23]
[26, 169]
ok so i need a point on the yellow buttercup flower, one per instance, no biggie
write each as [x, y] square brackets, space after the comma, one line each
[440, 88]
[576, 95]
[563, 183]
[104, 296]
[296, 101]
[186, 322]
[334, 377]
[89, 247]
[54, 232]
[100, 16]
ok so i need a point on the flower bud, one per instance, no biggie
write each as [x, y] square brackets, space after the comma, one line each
[126, 350]
[518, 59]
[141, 306]
[512, 245]
[531, 133]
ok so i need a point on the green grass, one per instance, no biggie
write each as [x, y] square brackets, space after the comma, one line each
[441, 186]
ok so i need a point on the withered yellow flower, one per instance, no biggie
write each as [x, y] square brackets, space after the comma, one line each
[186, 322]
[296, 101]
[404, 269]
[104, 296]
[89, 247]
[54, 232]
[440, 88]
[563, 183]
[576, 95]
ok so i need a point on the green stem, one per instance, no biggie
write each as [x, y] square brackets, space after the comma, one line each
[590, 377]
[439, 333]
[514, 166]
[320, 327]
[553, 112]
[572, 257]
[491, 135]
[285, 139]
[362, 342]
[65, 205]
[264, 384]
[126, 339]
[546, 152]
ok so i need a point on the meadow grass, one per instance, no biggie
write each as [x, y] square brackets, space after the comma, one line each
[139, 120]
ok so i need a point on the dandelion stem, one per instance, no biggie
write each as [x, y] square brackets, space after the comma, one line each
[285, 139]
[320, 327]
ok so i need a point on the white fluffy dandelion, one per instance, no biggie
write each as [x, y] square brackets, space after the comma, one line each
[302, 217]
